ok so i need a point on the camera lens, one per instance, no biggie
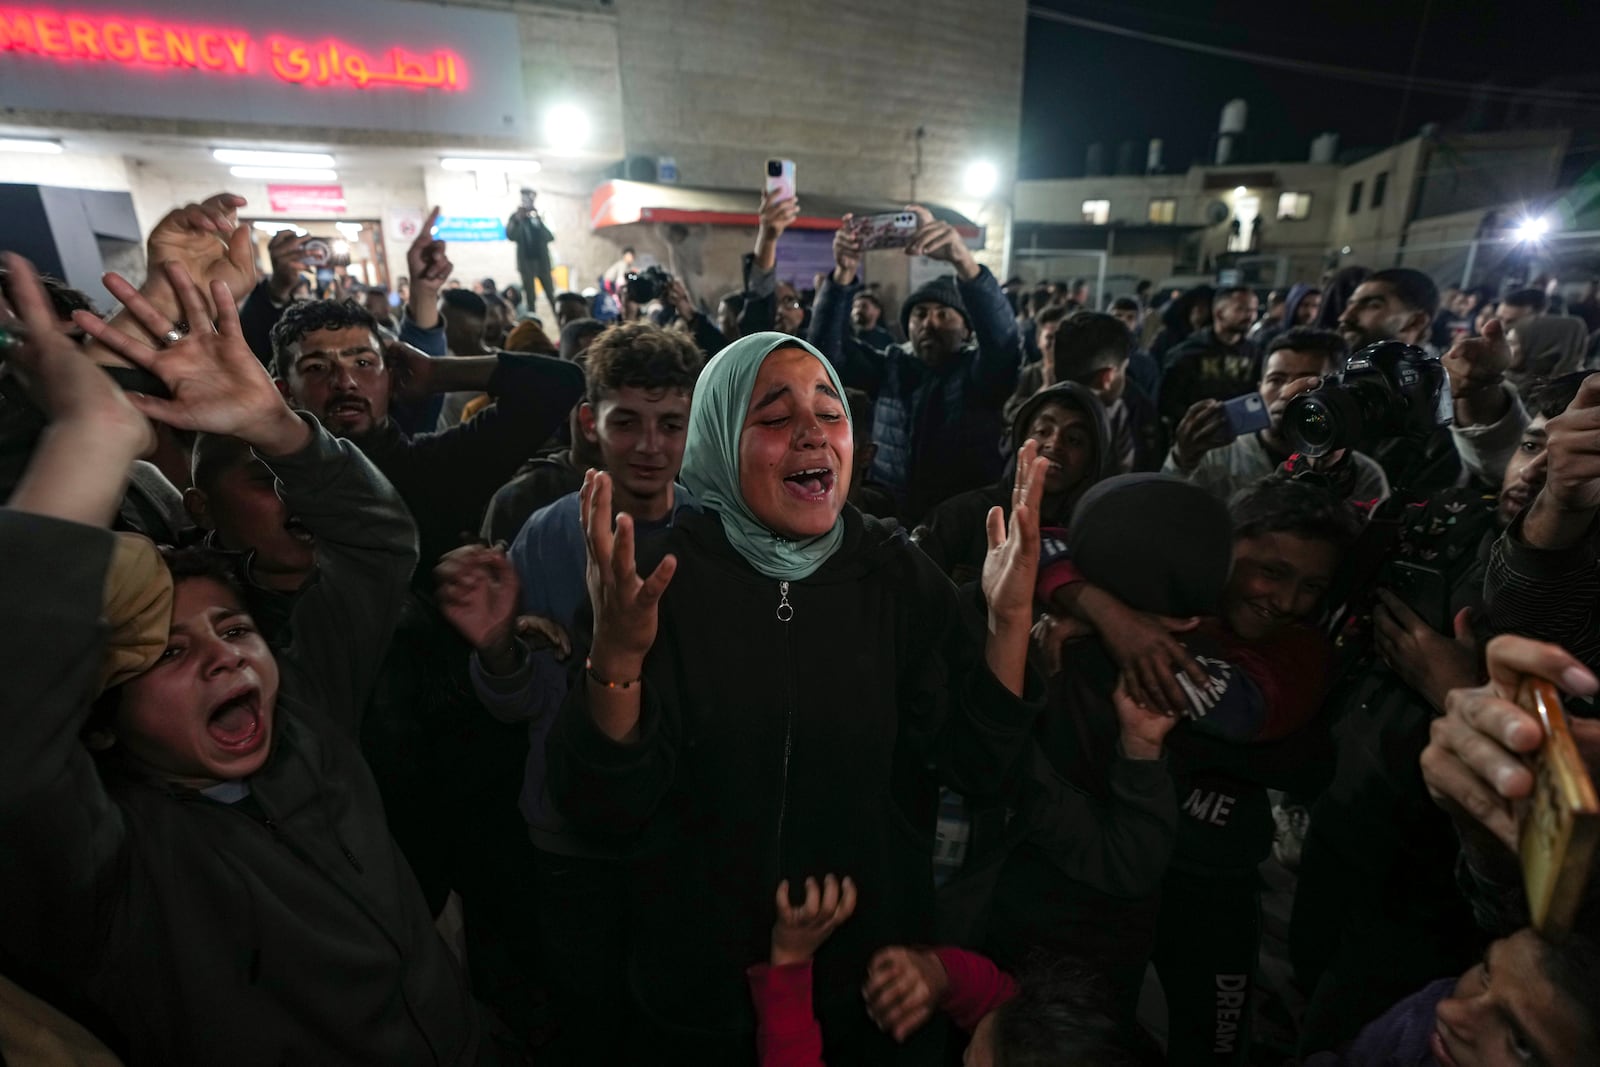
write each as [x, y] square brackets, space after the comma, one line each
[774, 168]
[1323, 421]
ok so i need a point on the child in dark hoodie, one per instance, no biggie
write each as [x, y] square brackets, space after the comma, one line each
[220, 885]
[1069, 426]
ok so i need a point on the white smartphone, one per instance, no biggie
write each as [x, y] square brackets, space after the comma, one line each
[780, 178]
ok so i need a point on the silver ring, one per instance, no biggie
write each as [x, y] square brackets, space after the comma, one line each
[173, 336]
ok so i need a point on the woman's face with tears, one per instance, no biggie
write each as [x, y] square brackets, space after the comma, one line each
[795, 451]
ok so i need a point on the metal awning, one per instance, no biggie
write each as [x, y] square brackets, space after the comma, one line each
[621, 203]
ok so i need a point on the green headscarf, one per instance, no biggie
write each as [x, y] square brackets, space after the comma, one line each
[711, 457]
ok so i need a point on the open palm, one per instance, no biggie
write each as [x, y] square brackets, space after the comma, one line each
[208, 241]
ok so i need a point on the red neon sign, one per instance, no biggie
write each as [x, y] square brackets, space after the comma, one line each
[136, 42]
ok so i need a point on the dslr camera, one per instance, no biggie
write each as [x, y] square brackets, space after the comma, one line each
[1387, 390]
[646, 285]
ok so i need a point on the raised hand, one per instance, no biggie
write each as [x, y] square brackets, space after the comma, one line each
[208, 241]
[80, 466]
[217, 384]
[625, 605]
[778, 213]
[905, 986]
[678, 297]
[1475, 763]
[287, 252]
[1203, 427]
[540, 632]
[429, 269]
[939, 240]
[799, 932]
[847, 252]
[1475, 363]
[1012, 564]
[478, 592]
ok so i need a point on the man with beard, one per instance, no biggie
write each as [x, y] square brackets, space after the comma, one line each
[937, 398]
[1399, 305]
[329, 360]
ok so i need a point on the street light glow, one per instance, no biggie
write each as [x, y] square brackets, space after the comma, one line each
[981, 178]
[566, 127]
[1239, 190]
[1532, 229]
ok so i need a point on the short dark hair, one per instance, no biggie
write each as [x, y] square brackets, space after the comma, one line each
[1144, 286]
[465, 302]
[1124, 303]
[1549, 397]
[1415, 289]
[627, 250]
[1228, 292]
[492, 300]
[212, 454]
[1329, 344]
[64, 299]
[1089, 341]
[643, 356]
[1079, 283]
[569, 296]
[871, 297]
[309, 316]
[1053, 313]
[1282, 505]
[203, 561]
[1059, 1015]
[1527, 298]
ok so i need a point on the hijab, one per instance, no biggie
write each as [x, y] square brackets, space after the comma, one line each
[711, 458]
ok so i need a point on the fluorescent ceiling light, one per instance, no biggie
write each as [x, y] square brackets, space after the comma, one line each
[981, 178]
[512, 166]
[28, 144]
[288, 174]
[352, 230]
[274, 227]
[252, 158]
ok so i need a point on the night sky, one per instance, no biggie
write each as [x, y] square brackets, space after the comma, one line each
[1083, 86]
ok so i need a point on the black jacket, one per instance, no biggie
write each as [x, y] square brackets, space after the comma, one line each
[1204, 368]
[285, 928]
[447, 479]
[774, 750]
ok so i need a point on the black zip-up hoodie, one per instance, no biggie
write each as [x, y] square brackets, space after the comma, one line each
[774, 749]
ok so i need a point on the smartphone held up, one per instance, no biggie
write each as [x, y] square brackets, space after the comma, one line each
[1560, 823]
[780, 179]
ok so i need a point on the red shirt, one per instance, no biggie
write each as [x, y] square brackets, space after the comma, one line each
[787, 1034]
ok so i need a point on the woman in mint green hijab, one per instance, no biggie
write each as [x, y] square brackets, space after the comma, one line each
[775, 693]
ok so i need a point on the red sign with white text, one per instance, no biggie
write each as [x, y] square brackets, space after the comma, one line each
[160, 44]
[306, 199]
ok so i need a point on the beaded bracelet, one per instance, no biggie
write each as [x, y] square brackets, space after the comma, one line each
[588, 665]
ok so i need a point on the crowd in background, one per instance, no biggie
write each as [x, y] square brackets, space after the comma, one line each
[788, 679]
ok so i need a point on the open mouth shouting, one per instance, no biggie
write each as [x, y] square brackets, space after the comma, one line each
[348, 409]
[298, 530]
[812, 485]
[236, 724]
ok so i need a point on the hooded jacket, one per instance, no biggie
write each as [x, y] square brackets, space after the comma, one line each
[935, 428]
[283, 928]
[954, 534]
[772, 750]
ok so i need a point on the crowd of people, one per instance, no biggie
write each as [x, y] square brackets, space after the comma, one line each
[787, 680]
